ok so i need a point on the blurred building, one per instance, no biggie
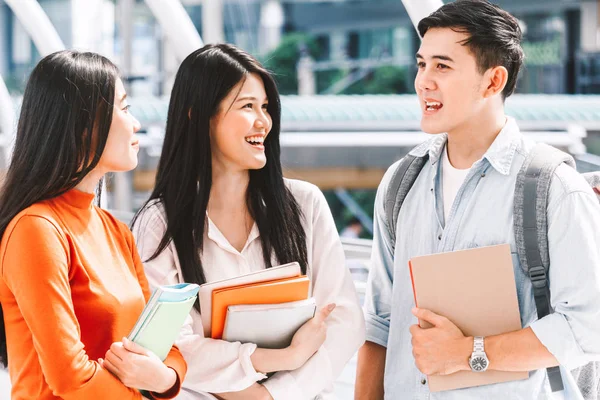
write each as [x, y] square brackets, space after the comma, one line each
[561, 37]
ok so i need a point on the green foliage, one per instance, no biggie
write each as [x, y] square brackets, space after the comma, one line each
[383, 80]
[283, 60]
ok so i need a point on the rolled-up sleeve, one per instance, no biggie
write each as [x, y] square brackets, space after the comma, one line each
[572, 332]
[214, 366]
[378, 297]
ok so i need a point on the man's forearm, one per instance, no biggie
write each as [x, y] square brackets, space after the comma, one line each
[369, 372]
[518, 351]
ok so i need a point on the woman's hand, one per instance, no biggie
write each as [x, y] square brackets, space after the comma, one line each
[309, 338]
[305, 343]
[255, 392]
[138, 368]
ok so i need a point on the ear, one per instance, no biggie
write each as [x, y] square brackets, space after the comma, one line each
[496, 79]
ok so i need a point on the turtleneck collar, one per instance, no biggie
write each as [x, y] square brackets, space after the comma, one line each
[78, 199]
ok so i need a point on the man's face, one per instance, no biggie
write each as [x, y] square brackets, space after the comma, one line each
[449, 85]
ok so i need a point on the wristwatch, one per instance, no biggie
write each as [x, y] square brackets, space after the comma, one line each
[478, 360]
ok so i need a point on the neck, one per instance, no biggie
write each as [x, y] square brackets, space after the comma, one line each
[469, 142]
[228, 190]
[90, 182]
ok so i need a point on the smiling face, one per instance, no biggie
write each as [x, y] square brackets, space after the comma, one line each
[239, 129]
[450, 88]
[122, 146]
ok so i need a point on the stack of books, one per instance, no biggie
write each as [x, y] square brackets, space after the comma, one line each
[161, 320]
[265, 307]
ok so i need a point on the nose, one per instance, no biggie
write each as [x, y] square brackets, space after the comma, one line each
[263, 121]
[424, 80]
[136, 124]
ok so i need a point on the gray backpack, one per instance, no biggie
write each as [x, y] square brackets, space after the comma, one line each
[531, 234]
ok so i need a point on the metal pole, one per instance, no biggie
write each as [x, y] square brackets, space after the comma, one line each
[212, 21]
[7, 122]
[419, 9]
[122, 181]
[37, 24]
[176, 25]
[39, 27]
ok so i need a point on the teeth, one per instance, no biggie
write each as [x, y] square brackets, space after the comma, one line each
[433, 104]
[255, 139]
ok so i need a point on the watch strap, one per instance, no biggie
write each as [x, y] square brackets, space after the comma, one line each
[478, 344]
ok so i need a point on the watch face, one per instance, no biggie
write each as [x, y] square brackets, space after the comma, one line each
[479, 364]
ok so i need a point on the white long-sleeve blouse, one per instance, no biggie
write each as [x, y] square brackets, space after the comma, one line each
[216, 366]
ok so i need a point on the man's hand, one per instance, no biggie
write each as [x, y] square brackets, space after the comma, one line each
[441, 349]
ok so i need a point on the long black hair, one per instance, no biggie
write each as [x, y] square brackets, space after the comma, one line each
[64, 123]
[184, 175]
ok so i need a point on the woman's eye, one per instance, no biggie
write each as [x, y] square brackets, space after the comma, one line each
[126, 108]
[421, 64]
[443, 66]
[249, 105]
[265, 106]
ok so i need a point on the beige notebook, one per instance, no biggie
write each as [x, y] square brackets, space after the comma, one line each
[476, 290]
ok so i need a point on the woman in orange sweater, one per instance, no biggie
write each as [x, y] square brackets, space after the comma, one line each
[71, 282]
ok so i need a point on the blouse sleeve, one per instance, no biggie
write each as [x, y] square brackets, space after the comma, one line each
[332, 283]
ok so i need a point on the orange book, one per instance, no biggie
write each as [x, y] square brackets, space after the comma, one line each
[270, 292]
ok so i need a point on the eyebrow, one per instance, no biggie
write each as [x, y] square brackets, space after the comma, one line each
[252, 98]
[439, 57]
[123, 97]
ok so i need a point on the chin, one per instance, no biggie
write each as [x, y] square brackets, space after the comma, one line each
[433, 127]
[257, 164]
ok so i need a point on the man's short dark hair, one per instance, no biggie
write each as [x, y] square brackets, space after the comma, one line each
[494, 35]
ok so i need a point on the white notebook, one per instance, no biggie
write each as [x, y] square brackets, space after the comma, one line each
[269, 326]
[205, 294]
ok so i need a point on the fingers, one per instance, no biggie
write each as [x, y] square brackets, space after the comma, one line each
[113, 359]
[118, 350]
[414, 329]
[110, 367]
[324, 313]
[428, 316]
[134, 347]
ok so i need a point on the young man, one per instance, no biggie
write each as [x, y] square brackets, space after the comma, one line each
[468, 64]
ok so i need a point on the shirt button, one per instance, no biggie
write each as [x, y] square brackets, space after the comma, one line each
[440, 237]
[423, 381]
[483, 175]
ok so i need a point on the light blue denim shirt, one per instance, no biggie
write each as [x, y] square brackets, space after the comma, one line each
[482, 215]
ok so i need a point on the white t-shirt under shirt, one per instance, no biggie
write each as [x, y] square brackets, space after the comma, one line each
[216, 366]
[452, 180]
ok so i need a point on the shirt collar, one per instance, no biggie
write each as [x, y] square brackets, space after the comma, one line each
[214, 234]
[502, 151]
[500, 154]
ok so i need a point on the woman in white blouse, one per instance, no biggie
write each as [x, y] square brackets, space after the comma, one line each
[221, 208]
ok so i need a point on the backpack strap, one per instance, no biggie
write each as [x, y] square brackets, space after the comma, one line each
[402, 181]
[531, 227]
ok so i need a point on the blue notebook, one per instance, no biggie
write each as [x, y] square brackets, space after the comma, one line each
[160, 322]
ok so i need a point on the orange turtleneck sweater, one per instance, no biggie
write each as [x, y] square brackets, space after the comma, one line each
[71, 284]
